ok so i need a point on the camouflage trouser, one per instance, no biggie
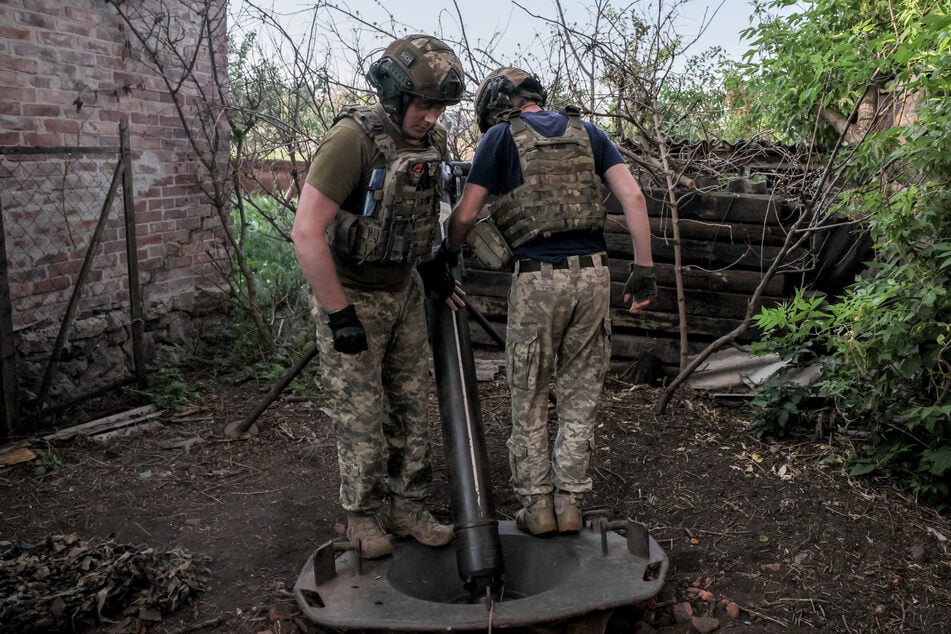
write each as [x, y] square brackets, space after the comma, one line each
[379, 398]
[559, 329]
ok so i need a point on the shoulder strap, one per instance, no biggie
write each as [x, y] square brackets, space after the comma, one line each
[575, 125]
[369, 120]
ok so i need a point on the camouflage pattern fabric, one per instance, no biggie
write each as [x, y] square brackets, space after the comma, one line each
[428, 67]
[559, 331]
[379, 399]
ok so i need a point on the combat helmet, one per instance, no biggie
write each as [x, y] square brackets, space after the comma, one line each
[494, 94]
[416, 66]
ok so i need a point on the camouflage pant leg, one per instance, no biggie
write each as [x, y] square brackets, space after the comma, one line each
[407, 384]
[583, 359]
[533, 299]
[379, 399]
[557, 325]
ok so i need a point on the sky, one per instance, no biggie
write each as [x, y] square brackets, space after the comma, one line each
[483, 19]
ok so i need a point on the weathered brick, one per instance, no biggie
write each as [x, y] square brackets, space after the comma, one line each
[36, 52]
[66, 78]
[19, 64]
[60, 40]
[82, 14]
[13, 33]
[50, 7]
[42, 139]
[64, 126]
[41, 110]
[36, 20]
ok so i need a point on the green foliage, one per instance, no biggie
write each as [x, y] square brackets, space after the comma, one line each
[46, 460]
[883, 345]
[777, 404]
[275, 110]
[824, 56]
[281, 294]
[695, 103]
[281, 289]
[792, 330]
[168, 388]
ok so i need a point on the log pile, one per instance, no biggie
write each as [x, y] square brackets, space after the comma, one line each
[728, 239]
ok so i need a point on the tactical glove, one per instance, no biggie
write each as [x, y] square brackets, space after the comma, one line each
[437, 273]
[349, 335]
[641, 284]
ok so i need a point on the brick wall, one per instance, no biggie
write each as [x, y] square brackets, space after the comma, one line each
[70, 71]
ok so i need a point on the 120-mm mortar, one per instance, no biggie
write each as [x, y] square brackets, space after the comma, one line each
[475, 529]
[492, 574]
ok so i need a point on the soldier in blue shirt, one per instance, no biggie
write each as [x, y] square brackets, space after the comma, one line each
[544, 172]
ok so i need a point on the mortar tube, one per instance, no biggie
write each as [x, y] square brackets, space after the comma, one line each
[475, 529]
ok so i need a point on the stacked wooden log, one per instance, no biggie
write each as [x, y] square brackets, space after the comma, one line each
[728, 241]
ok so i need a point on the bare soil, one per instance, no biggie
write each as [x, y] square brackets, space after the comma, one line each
[760, 536]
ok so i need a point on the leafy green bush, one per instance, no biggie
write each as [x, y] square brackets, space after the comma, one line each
[168, 389]
[883, 346]
[280, 294]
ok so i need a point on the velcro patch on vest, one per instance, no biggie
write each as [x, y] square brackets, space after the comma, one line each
[419, 175]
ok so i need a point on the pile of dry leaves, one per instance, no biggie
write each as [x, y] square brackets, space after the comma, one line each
[65, 583]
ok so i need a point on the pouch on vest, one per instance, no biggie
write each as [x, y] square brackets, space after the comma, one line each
[488, 246]
[398, 219]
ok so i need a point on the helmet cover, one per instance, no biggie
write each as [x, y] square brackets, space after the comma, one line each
[416, 66]
[493, 96]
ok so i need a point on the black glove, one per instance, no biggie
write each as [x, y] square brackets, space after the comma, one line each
[437, 273]
[348, 332]
[641, 284]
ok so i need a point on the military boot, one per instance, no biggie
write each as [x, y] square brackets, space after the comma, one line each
[536, 516]
[567, 512]
[411, 519]
[364, 529]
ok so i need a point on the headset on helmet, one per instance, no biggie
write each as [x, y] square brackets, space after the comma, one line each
[494, 94]
[416, 66]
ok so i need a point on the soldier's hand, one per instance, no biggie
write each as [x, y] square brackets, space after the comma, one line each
[437, 273]
[348, 333]
[640, 288]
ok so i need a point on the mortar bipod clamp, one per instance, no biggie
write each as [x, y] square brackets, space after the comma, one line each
[325, 555]
[637, 534]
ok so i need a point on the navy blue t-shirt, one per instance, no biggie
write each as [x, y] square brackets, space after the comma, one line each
[496, 167]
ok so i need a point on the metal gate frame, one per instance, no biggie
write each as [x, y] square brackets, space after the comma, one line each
[11, 407]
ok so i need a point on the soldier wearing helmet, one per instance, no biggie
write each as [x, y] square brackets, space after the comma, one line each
[545, 172]
[416, 66]
[367, 216]
[497, 91]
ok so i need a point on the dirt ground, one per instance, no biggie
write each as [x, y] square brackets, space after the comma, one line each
[760, 536]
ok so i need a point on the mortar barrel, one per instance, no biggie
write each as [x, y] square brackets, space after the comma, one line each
[475, 529]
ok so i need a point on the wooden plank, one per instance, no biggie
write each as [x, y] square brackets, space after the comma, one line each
[708, 255]
[699, 302]
[626, 346]
[725, 207]
[730, 280]
[719, 206]
[128, 430]
[696, 229]
[496, 283]
[700, 327]
[15, 455]
[109, 423]
[655, 322]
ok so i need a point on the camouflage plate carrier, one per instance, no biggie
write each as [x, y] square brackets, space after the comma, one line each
[561, 190]
[404, 220]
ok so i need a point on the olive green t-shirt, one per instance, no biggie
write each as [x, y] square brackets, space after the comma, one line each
[341, 170]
